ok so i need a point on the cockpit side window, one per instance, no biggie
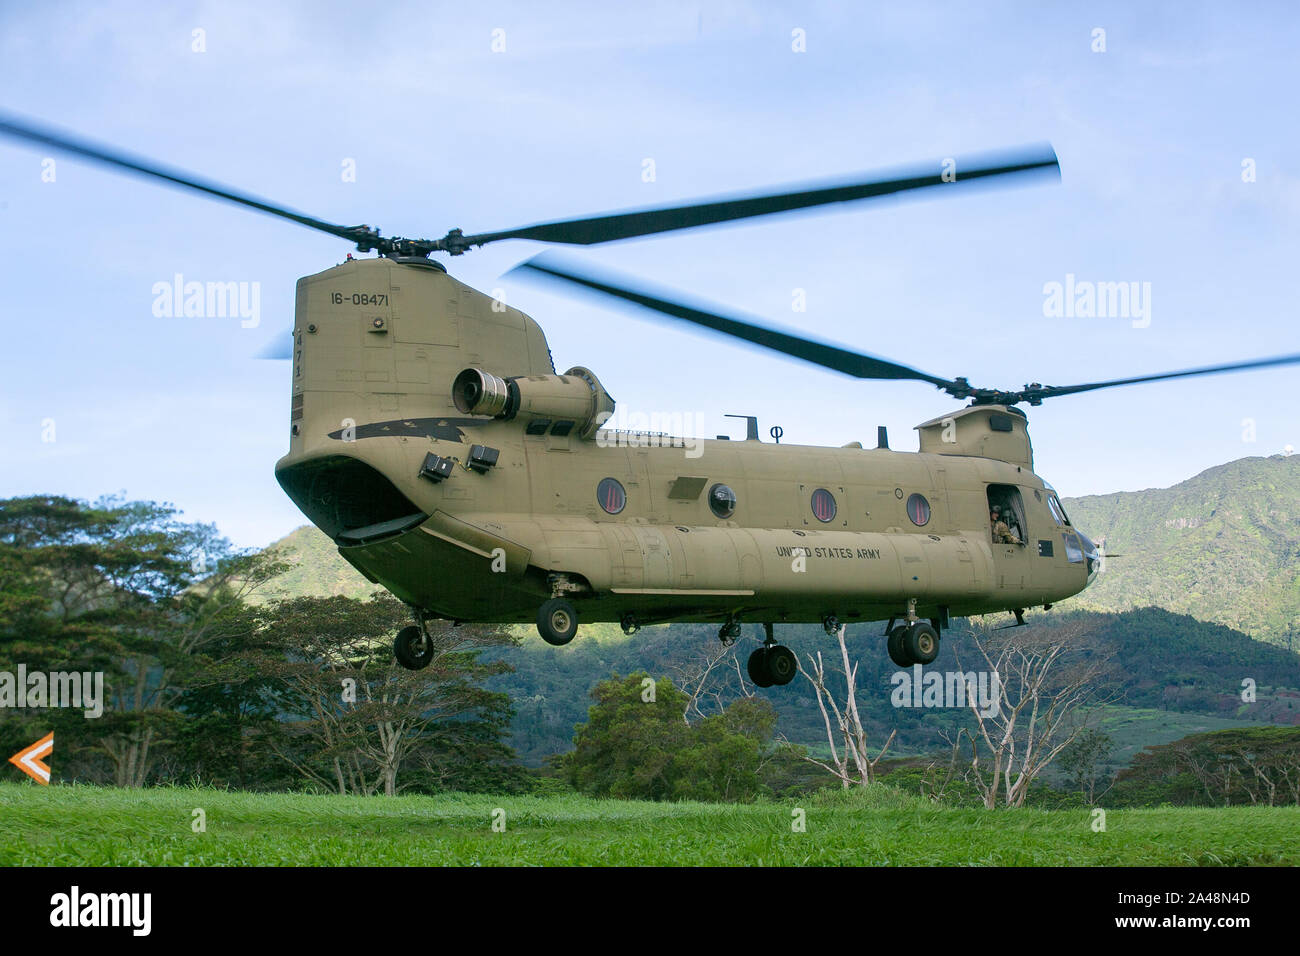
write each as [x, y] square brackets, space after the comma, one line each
[1058, 512]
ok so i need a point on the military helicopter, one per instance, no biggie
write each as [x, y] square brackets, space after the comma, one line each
[432, 439]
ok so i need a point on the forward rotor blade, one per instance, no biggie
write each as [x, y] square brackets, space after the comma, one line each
[1035, 393]
[627, 225]
[15, 128]
[828, 356]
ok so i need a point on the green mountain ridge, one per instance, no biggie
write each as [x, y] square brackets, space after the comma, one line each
[1222, 547]
[315, 570]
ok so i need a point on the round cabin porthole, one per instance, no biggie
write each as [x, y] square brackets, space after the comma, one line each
[918, 509]
[823, 505]
[722, 501]
[611, 496]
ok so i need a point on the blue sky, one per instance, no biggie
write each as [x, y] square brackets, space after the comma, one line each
[445, 132]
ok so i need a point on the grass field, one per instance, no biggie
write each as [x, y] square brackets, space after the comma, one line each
[92, 826]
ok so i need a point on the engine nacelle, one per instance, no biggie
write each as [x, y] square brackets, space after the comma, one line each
[554, 404]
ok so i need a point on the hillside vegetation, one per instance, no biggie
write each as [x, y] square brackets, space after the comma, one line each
[1223, 547]
[315, 570]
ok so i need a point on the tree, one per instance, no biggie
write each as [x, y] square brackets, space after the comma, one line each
[114, 588]
[705, 676]
[850, 760]
[1082, 759]
[1253, 765]
[635, 745]
[231, 713]
[353, 718]
[627, 746]
[1050, 685]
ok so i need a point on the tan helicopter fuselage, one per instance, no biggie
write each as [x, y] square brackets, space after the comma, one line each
[475, 518]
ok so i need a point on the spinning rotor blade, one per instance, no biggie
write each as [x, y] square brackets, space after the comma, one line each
[106, 156]
[827, 356]
[583, 231]
[556, 268]
[626, 225]
[1034, 394]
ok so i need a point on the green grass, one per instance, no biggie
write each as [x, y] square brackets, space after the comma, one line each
[94, 826]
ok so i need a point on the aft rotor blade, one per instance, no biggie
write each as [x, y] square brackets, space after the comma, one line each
[15, 128]
[828, 356]
[626, 225]
[278, 349]
[1034, 393]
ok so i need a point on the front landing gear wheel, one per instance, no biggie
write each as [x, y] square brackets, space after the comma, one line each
[897, 652]
[921, 642]
[781, 665]
[757, 668]
[412, 648]
[557, 622]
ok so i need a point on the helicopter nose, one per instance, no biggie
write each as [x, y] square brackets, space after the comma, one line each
[1092, 554]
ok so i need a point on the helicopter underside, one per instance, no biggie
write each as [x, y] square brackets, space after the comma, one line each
[435, 566]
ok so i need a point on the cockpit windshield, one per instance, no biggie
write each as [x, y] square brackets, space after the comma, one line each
[1058, 512]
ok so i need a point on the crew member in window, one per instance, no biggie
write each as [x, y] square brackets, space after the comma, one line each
[1002, 533]
[1009, 526]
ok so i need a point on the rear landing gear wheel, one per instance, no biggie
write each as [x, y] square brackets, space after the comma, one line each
[557, 622]
[412, 648]
[897, 652]
[772, 666]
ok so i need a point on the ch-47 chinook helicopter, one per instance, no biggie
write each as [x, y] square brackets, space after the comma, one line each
[431, 438]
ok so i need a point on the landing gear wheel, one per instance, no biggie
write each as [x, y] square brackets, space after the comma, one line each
[831, 624]
[921, 642]
[557, 622]
[757, 668]
[629, 623]
[897, 652]
[412, 648]
[781, 665]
